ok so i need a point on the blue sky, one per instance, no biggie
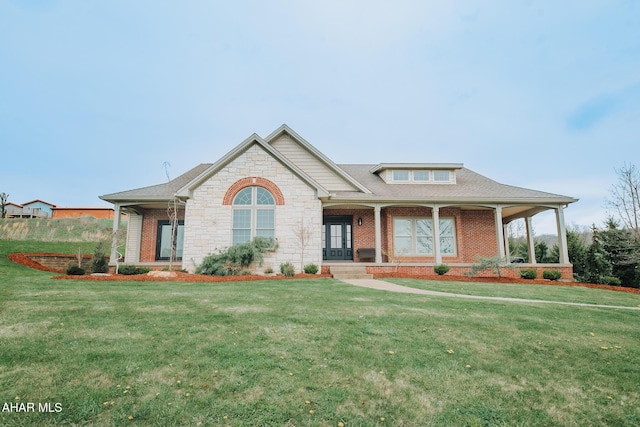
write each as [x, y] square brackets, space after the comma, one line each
[96, 96]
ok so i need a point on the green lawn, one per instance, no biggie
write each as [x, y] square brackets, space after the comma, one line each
[306, 352]
[551, 292]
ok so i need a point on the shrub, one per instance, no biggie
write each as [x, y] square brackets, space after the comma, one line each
[74, 270]
[529, 274]
[441, 269]
[99, 262]
[287, 269]
[268, 270]
[612, 281]
[311, 269]
[130, 270]
[496, 264]
[551, 274]
[237, 258]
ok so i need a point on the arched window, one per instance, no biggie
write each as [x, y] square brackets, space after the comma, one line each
[253, 214]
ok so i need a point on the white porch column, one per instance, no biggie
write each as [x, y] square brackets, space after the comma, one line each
[507, 248]
[530, 242]
[378, 233]
[562, 236]
[500, 232]
[116, 227]
[435, 213]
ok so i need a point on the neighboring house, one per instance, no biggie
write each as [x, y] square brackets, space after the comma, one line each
[12, 210]
[385, 215]
[32, 209]
[95, 212]
[37, 208]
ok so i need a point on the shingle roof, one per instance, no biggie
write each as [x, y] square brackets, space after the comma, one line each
[164, 191]
[470, 186]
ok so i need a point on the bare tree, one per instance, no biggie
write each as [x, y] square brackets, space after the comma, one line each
[3, 204]
[303, 233]
[172, 213]
[625, 198]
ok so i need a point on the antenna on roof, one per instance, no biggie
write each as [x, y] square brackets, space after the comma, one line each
[166, 165]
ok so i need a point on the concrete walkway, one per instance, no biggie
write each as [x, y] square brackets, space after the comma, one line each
[381, 285]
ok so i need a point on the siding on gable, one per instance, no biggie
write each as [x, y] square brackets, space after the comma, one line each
[315, 168]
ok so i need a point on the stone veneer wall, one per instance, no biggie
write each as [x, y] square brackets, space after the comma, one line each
[208, 221]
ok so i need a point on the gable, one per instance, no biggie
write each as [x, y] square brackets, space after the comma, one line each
[312, 165]
[265, 151]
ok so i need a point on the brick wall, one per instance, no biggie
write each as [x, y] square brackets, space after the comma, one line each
[149, 234]
[478, 232]
[475, 232]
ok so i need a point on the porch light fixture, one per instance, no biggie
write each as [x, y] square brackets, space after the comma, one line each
[360, 221]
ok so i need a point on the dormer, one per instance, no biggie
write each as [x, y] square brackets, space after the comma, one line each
[417, 173]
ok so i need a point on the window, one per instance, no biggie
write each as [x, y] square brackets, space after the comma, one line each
[414, 236]
[163, 241]
[441, 176]
[253, 215]
[421, 176]
[400, 175]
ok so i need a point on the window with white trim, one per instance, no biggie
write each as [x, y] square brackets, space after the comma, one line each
[441, 176]
[420, 176]
[401, 175]
[253, 215]
[414, 236]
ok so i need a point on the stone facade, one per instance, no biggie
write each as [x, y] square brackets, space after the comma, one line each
[209, 214]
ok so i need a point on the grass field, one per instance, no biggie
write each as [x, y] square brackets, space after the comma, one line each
[309, 353]
[85, 229]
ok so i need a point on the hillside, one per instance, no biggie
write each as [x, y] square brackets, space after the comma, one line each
[86, 229]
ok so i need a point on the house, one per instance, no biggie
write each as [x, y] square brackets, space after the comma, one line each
[12, 210]
[32, 209]
[383, 216]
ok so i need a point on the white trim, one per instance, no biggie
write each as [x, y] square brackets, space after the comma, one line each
[434, 229]
[187, 190]
[431, 176]
[253, 208]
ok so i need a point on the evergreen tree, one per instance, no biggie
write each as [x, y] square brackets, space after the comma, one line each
[577, 250]
[99, 262]
[623, 251]
[597, 260]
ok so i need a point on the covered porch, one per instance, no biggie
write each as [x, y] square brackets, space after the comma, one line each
[398, 237]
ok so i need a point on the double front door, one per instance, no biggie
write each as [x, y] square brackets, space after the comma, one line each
[337, 238]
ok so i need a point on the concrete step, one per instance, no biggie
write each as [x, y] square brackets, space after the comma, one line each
[350, 271]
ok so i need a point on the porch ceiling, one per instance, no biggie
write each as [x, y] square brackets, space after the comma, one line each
[509, 213]
[512, 213]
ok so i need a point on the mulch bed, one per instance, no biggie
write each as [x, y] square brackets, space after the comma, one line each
[187, 277]
[23, 259]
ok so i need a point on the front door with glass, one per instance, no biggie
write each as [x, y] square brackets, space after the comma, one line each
[337, 238]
